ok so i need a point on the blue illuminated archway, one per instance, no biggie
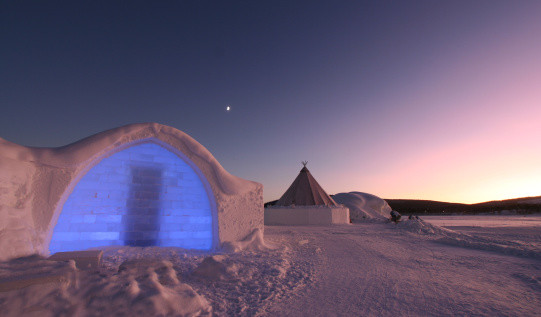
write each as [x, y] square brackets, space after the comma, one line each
[144, 195]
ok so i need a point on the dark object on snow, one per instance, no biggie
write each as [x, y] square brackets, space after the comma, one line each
[395, 216]
[90, 259]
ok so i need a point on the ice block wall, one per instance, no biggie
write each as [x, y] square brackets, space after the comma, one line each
[144, 195]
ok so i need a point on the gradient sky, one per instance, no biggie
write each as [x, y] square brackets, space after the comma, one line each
[431, 99]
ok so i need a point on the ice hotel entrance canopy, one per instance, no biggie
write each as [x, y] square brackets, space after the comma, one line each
[139, 185]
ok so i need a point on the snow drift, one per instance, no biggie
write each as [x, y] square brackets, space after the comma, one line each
[36, 182]
[363, 206]
[419, 227]
[412, 263]
[139, 288]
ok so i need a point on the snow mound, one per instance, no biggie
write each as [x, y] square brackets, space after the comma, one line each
[253, 242]
[363, 206]
[450, 237]
[151, 287]
[139, 288]
[419, 226]
[213, 268]
[235, 283]
[507, 247]
[35, 270]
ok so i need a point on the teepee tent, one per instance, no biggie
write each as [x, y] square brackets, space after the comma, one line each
[306, 203]
[305, 191]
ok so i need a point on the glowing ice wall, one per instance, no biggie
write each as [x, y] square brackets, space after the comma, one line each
[144, 195]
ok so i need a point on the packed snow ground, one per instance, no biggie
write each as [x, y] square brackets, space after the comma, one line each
[492, 221]
[365, 269]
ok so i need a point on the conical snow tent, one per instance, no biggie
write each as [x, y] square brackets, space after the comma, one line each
[305, 191]
[306, 203]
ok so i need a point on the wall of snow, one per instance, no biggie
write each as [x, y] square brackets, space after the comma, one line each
[35, 184]
[306, 215]
[363, 206]
[16, 221]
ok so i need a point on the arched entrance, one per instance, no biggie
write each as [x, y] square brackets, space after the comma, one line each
[143, 195]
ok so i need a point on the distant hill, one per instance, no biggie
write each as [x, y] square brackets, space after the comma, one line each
[414, 206]
[525, 205]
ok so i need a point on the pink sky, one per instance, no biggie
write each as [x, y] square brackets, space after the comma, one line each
[476, 134]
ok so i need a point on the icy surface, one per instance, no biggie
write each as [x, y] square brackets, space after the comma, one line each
[485, 221]
[363, 206]
[412, 268]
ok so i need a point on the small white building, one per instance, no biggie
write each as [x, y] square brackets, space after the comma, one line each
[306, 203]
[140, 185]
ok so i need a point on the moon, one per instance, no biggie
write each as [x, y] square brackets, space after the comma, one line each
[228, 108]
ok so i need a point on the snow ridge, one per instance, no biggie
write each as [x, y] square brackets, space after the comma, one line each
[449, 237]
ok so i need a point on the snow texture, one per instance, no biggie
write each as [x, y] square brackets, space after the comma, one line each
[35, 183]
[138, 288]
[443, 235]
[363, 206]
[155, 281]
[404, 269]
[364, 269]
[483, 221]
[253, 242]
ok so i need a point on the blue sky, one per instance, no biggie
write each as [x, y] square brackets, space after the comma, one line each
[401, 99]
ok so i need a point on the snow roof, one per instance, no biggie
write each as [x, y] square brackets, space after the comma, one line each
[80, 153]
[305, 191]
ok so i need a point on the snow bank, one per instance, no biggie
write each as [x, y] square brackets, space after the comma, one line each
[419, 226]
[35, 183]
[254, 242]
[487, 221]
[450, 237]
[499, 246]
[213, 268]
[139, 288]
[154, 281]
[363, 206]
[154, 289]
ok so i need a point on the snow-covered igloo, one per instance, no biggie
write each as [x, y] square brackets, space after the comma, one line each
[364, 206]
[141, 185]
